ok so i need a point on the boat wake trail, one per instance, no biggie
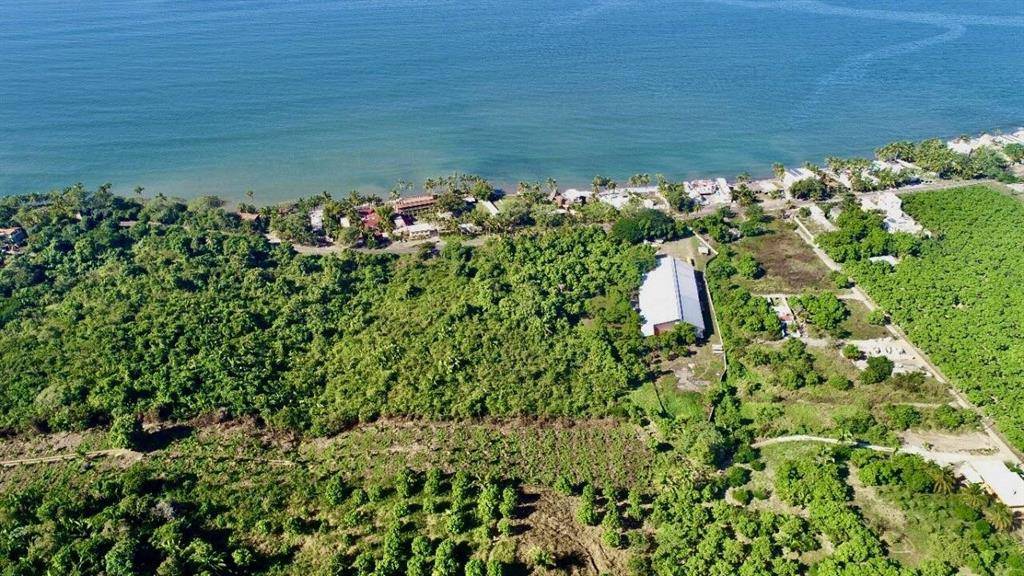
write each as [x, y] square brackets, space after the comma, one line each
[576, 17]
[934, 18]
[854, 70]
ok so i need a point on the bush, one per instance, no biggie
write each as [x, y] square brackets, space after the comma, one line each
[824, 310]
[950, 418]
[748, 267]
[839, 382]
[878, 317]
[809, 189]
[840, 280]
[737, 476]
[644, 224]
[126, 431]
[541, 558]
[902, 417]
[743, 496]
[878, 370]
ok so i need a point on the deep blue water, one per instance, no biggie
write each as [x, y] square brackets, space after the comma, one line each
[290, 98]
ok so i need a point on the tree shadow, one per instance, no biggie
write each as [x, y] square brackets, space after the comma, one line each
[164, 437]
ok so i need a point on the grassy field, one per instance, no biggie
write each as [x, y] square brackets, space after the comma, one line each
[857, 326]
[790, 265]
[602, 452]
[665, 398]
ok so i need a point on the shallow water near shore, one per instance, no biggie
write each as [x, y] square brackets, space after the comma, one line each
[187, 97]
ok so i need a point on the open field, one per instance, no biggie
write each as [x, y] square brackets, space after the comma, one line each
[856, 325]
[790, 265]
[600, 452]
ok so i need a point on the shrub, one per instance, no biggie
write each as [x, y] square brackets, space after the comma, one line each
[878, 317]
[126, 431]
[851, 352]
[840, 280]
[743, 496]
[878, 370]
[839, 382]
[902, 417]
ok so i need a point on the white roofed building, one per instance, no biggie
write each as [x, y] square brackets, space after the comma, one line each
[419, 231]
[715, 191]
[891, 207]
[489, 207]
[1004, 483]
[316, 219]
[670, 294]
[794, 175]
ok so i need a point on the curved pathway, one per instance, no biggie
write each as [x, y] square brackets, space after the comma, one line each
[939, 457]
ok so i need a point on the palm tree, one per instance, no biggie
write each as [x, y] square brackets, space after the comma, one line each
[552, 185]
[942, 481]
[975, 496]
[139, 190]
[640, 179]
[1000, 516]
[779, 170]
[249, 194]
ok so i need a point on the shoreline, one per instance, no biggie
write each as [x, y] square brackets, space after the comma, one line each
[236, 197]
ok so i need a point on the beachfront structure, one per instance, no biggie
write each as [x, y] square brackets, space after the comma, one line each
[794, 175]
[715, 191]
[570, 197]
[891, 207]
[615, 198]
[996, 476]
[490, 207]
[419, 231]
[414, 205]
[13, 235]
[967, 145]
[316, 219]
[767, 186]
[368, 216]
[670, 294]
[619, 198]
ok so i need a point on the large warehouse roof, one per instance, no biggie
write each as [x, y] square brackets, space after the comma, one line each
[670, 294]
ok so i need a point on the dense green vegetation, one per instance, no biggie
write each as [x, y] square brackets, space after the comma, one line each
[174, 518]
[471, 411]
[862, 235]
[961, 299]
[935, 156]
[186, 312]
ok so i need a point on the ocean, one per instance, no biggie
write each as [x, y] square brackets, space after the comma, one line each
[289, 98]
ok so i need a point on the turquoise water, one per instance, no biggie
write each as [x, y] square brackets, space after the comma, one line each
[289, 98]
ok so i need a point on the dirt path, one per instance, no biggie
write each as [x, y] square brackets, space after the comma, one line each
[111, 453]
[942, 458]
[820, 439]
